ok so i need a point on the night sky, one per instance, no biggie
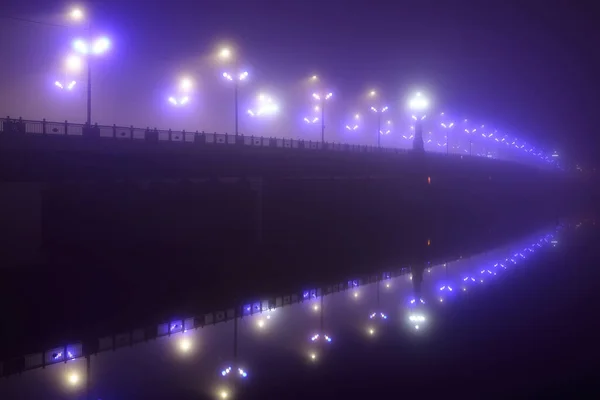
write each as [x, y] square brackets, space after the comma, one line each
[525, 67]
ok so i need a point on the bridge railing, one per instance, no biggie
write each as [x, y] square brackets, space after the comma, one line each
[47, 128]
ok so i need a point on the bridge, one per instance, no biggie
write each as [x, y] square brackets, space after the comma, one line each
[141, 185]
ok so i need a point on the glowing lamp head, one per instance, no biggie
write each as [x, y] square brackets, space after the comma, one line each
[418, 102]
[58, 84]
[225, 53]
[71, 85]
[224, 394]
[101, 45]
[76, 14]
[243, 75]
[186, 84]
[372, 93]
[314, 78]
[80, 46]
[74, 63]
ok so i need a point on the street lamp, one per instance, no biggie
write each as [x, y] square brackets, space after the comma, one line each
[418, 105]
[73, 63]
[265, 105]
[236, 77]
[447, 127]
[65, 86]
[379, 112]
[184, 90]
[89, 47]
[322, 98]
[354, 125]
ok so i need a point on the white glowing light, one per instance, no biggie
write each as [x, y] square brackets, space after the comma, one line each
[185, 345]
[418, 103]
[73, 378]
[314, 77]
[227, 76]
[313, 356]
[373, 93]
[371, 331]
[185, 84]
[355, 294]
[101, 45]
[387, 285]
[58, 84]
[225, 53]
[261, 323]
[172, 100]
[80, 46]
[243, 75]
[356, 116]
[316, 307]
[328, 96]
[417, 327]
[224, 394]
[71, 85]
[76, 14]
[316, 96]
[74, 63]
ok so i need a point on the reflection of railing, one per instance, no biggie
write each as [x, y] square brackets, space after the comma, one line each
[21, 126]
[73, 351]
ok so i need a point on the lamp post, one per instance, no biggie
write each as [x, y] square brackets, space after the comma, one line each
[322, 98]
[89, 47]
[418, 105]
[373, 94]
[447, 127]
[379, 111]
[236, 77]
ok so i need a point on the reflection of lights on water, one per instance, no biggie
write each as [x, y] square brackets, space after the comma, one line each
[73, 378]
[185, 345]
[417, 318]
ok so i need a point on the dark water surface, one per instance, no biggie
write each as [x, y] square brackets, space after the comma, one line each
[517, 319]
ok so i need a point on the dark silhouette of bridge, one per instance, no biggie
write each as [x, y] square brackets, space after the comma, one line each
[73, 185]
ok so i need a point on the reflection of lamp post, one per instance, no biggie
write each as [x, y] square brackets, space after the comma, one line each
[418, 104]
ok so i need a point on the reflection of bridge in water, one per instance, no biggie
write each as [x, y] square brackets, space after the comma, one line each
[214, 353]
